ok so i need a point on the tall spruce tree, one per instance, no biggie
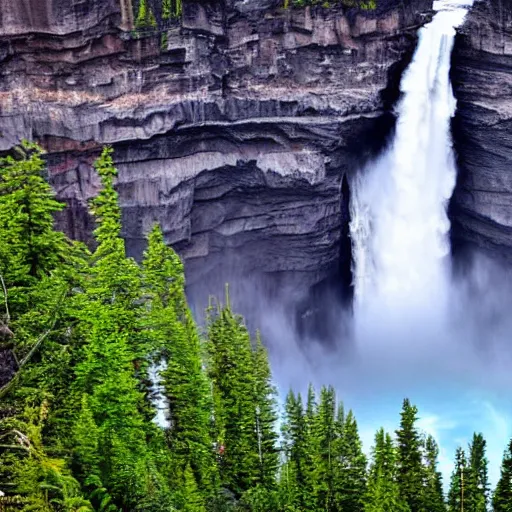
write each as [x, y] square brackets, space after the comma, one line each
[383, 494]
[30, 247]
[265, 397]
[351, 494]
[36, 266]
[433, 490]
[109, 311]
[324, 438]
[410, 468]
[338, 458]
[174, 338]
[458, 497]
[234, 384]
[502, 499]
[478, 484]
[296, 476]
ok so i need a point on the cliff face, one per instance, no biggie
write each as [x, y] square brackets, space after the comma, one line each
[235, 130]
[482, 78]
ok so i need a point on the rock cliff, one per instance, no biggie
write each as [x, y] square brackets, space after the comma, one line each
[235, 129]
[482, 79]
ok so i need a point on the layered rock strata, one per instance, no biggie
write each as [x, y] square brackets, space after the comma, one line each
[482, 79]
[234, 128]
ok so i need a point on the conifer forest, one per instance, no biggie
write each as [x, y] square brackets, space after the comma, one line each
[255, 255]
[78, 428]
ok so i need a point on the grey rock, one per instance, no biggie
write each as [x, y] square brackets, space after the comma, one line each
[236, 136]
[482, 78]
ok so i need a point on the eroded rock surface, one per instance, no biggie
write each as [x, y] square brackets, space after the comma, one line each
[234, 131]
[482, 77]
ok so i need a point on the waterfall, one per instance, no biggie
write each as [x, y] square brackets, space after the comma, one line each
[159, 399]
[399, 227]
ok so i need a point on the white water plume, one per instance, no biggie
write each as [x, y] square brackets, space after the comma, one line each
[400, 228]
[399, 222]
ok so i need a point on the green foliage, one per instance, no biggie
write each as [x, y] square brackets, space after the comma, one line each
[433, 490]
[383, 490]
[478, 485]
[45, 481]
[77, 420]
[410, 468]
[458, 498]
[353, 469]
[30, 248]
[166, 9]
[365, 5]
[325, 468]
[174, 338]
[243, 403]
[502, 499]
[145, 17]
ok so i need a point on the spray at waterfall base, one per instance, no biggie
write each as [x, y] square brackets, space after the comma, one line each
[417, 330]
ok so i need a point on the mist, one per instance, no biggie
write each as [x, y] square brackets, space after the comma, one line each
[417, 328]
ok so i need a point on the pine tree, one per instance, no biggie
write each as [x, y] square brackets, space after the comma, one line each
[86, 449]
[433, 491]
[383, 494]
[352, 491]
[296, 476]
[457, 495]
[502, 499]
[338, 454]
[194, 500]
[266, 417]
[478, 484]
[36, 267]
[109, 311]
[231, 357]
[311, 449]
[174, 338]
[30, 247]
[410, 468]
[324, 439]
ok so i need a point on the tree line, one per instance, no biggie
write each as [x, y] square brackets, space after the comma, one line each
[83, 329]
[149, 15]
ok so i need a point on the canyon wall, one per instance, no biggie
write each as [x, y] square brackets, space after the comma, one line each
[482, 79]
[235, 129]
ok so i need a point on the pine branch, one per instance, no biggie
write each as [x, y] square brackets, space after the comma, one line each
[6, 388]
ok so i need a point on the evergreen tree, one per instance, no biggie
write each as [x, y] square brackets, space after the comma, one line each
[324, 439]
[502, 499]
[266, 417]
[296, 476]
[193, 499]
[338, 459]
[30, 248]
[109, 311]
[478, 484]
[174, 338]
[383, 494]
[410, 469]
[36, 275]
[350, 496]
[234, 384]
[457, 495]
[433, 491]
[86, 449]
